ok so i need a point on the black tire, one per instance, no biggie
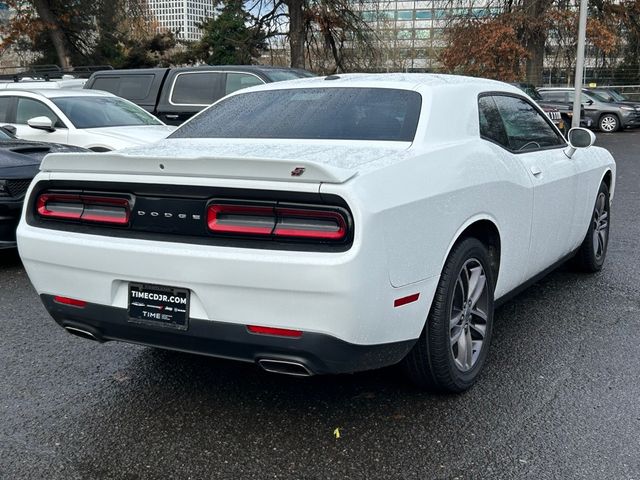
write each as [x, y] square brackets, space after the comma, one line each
[609, 123]
[431, 364]
[593, 251]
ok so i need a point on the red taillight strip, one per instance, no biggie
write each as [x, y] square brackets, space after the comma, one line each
[338, 234]
[398, 302]
[81, 202]
[279, 332]
[215, 223]
[278, 221]
[70, 301]
[89, 200]
[45, 212]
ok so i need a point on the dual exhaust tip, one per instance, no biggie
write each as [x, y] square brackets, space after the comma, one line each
[271, 365]
[79, 332]
[285, 367]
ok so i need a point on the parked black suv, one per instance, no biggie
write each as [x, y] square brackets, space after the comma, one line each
[176, 94]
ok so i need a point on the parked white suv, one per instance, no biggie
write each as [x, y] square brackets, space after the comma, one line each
[96, 120]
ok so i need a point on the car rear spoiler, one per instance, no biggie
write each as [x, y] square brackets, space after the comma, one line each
[220, 167]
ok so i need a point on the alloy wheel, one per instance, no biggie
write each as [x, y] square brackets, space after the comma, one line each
[600, 226]
[609, 124]
[468, 315]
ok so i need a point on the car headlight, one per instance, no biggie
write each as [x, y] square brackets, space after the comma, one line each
[4, 191]
[628, 109]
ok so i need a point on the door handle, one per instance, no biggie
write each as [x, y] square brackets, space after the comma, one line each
[172, 117]
[535, 170]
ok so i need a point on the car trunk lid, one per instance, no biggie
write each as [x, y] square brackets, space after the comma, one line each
[300, 161]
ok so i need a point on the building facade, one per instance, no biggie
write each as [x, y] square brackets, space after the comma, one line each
[411, 33]
[181, 16]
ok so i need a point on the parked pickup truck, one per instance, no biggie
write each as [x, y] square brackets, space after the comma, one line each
[176, 94]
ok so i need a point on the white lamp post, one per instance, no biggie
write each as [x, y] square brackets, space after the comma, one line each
[582, 33]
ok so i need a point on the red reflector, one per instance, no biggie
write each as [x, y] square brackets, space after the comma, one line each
[398, 302]
[317, 224]
[241, 219]
[88, 208]
[280, 332]
[70, 301]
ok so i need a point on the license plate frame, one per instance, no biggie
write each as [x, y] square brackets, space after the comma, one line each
[158, 305]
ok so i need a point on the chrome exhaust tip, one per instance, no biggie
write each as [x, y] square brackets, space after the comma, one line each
[285, 367]
[78, 332]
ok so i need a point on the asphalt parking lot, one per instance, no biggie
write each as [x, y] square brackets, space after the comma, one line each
[559, 399]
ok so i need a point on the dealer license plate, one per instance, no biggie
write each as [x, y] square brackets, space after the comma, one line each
[159, 305]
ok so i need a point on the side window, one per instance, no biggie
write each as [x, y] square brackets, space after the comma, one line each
[131, 87]
[491, 126]
[28, 108]
[527, 129]
[554, 96]
[238, 81]
[201, 88]
[107, 84]
[5, 109]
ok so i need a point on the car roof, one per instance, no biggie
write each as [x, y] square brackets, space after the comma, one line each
[561, 89]
[405, 81]
[58, 92]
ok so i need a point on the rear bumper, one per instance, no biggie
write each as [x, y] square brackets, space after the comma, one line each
[319, 353]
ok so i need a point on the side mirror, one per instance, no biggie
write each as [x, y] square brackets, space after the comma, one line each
[579, 138]
[589, 102]
[41, 123]
[10, 129]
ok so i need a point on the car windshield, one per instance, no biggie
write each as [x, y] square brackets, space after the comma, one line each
[311, 113]
[617, 96]
[95, 112]
[4, 135]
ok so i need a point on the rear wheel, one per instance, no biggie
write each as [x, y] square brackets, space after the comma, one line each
[609, 123]
[452, 349]
[592, 252]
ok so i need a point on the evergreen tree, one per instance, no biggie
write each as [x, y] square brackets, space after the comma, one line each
[230, 38]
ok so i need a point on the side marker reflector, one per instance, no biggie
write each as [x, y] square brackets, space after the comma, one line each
[279, 332]
[398, 302]
[70, 301]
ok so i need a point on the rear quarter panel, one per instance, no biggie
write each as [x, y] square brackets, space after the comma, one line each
[418, 207]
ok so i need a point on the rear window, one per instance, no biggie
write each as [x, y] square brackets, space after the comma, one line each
[131, 87]
[311, 113]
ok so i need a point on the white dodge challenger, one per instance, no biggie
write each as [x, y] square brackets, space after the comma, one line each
[323, 225]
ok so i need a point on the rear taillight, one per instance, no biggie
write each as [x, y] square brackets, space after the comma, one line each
[240, 219]
[318, 224]
[276, 221]
[84, 207]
